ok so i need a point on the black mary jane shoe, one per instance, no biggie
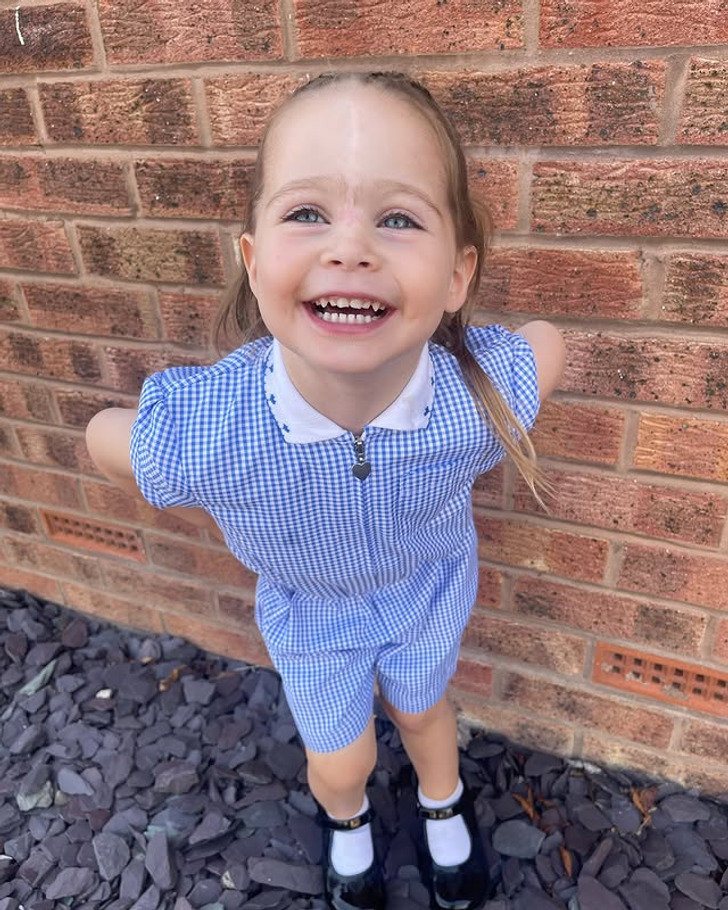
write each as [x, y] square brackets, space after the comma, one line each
[467, 885]
[350, 892]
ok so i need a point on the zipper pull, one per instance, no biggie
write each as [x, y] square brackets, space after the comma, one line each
[362, 467]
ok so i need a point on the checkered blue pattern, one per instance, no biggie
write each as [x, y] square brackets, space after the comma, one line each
[357, 579]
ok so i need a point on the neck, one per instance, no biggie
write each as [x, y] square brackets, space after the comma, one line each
[350, 400]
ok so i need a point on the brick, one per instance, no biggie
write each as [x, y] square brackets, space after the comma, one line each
[244, 644]
[40, 486]
[696, 290]
[142, 254]
[77, 406]
[620, 717]
[10, 310]
[85, 310]
[19, 518]
[685, 446]
[25, 400]
[535, 546]
[37, 246]
[61, 563]
[56, 449]
[9, 447]
[39, 585]
[490, 585]
[158, 591]
[707, 740]
[578, 432]
[188, 318]
[627, 505]
[616, 23]
[473, 676]
[540, 733]
[120, 112]
[240, 610]
[127, 368]
[488, 490]
[63, 185]
[694, 687]
[667, 370]
[55, 37]
[93, 535]
[676, 575]
[577, 283]
[660, 197]
[162, 31]
[329, 28]
[49, 357]
[240, 106]
[494, 184]
[709, 778]
[16, 119]
[720, 644]
[192, 188]
[525, 642]
[110, 502]
[611, 615]
[219, 566]
[132, 614]
[704, 117]
[600, 104]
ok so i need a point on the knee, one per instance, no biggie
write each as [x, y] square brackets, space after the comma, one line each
[414, 724]
[342, 771]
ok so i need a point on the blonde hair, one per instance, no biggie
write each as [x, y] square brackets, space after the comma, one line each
[240, 318]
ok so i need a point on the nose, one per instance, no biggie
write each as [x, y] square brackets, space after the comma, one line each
[350, 246]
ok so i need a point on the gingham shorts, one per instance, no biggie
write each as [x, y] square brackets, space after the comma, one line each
[331, 691]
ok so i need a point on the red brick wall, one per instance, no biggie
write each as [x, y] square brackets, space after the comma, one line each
[596, 131]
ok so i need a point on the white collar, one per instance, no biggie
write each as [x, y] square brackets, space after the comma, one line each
[300, 422]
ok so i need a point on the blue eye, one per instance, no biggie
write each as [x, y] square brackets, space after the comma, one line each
[304, 215]
[398, 220]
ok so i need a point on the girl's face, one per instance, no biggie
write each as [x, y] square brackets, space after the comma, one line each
[353, 259]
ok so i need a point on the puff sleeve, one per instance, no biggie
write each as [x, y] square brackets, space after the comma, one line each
[508, 360]
[155, 449]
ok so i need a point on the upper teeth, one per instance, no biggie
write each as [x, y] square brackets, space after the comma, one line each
[353, 303]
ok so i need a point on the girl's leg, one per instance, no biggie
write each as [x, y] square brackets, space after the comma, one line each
[338, 779]
[431, 741]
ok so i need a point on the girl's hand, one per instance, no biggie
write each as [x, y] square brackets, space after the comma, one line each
[549, 352]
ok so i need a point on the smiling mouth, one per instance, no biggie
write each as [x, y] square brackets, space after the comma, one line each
[348, 311]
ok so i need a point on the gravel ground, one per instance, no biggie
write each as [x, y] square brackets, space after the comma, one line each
[140, 773]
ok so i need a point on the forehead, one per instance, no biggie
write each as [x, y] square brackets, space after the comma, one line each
[357, 132]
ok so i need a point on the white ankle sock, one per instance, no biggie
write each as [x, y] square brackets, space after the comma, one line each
[352, 852]
[448, 839]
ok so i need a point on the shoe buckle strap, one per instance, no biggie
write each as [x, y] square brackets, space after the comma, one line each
[439, 814]
[347, 824]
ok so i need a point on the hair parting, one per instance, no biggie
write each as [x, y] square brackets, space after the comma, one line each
[239, 320]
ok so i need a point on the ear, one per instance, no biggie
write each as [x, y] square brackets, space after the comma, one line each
[247, 249]
[462, 274]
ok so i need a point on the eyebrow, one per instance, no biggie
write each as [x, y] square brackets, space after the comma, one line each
[391, 186]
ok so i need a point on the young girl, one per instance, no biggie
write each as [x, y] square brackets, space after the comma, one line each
[337, 448]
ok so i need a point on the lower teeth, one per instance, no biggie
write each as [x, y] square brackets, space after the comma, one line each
[348, 318]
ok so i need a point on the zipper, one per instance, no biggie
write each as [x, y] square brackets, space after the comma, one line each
[361, 468]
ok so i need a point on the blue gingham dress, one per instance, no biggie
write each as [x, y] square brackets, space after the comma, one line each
[358, 579]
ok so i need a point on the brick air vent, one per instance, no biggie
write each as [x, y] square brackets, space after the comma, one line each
[667, 680]
[94, 536]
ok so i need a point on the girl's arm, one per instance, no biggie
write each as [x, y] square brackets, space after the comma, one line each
[549, 352]
[107, 437]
